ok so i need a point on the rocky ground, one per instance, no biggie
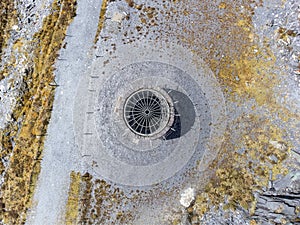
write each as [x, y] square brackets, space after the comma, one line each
[252, 47]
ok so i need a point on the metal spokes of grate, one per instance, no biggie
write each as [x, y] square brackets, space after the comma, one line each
[146, 112]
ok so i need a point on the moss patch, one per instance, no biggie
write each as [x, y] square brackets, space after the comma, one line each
[247, 162]
[8, 17]
[94, 201]
[22, 141]
[72, 207]
[101, 19]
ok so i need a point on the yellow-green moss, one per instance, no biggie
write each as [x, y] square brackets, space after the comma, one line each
[72, 207]
[101, 19]
[33, 110]
[93, 201]
[239, 175]
[86, 193]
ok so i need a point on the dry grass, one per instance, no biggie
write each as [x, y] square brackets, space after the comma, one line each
[34, 111]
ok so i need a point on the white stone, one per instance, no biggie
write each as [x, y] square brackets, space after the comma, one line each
[278, 145]
[15, 27]
[118, 17]
[3, 88]
[187, 197]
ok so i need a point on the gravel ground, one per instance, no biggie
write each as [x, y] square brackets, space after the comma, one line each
[275, 23]
[281, 26]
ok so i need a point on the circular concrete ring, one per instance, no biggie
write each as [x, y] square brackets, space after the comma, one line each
[103, 136]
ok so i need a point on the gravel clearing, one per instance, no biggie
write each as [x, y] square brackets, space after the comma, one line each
[92, 78]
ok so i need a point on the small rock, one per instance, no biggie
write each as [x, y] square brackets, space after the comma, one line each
[187, 197]
[3, 89]
[278, 145]
[297, 72]
[15, 27]
[8, 118]
[118, 17]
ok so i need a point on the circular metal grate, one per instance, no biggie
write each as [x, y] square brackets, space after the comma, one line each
[147, 112]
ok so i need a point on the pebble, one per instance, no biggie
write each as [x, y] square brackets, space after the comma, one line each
[187, 197]
[118, 17]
